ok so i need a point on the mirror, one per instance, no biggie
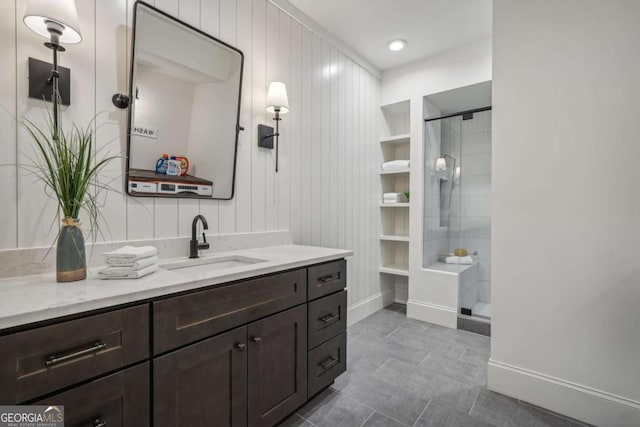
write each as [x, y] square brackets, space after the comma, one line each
[184, 110]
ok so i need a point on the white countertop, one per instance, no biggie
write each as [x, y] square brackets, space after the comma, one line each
[30, 299]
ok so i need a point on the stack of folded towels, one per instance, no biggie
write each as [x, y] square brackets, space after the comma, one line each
[393, 198]
[395, 165]
[129, 262]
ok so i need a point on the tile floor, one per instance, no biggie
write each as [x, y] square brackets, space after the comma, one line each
[404, 372]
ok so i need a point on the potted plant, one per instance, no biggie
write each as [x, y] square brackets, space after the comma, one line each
[65, 161]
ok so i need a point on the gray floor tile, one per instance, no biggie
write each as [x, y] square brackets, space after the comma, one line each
[331, 408]
[399, 403]
[477, 358]
[365, 365]
[465, 372]
[396, 307]
[429, 384]
[497, 409]
[395, 366]
[392, 348]
[295, 420]
[379, 420]
[395, 318]
[439, 414]
[537, 417]
[476, 342]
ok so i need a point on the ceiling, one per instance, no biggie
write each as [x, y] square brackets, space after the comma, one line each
[429, 26]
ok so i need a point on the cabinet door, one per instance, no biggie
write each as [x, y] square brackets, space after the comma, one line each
[204, 384]
[277, 366]
[120, 399]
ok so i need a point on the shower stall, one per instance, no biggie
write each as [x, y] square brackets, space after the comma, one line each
[457, 207]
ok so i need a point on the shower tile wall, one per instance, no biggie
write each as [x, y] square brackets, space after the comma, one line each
[474, 197]
[436, 238]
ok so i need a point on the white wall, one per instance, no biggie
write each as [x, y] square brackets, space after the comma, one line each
[566, 209]
[452, 69]
[326, 190]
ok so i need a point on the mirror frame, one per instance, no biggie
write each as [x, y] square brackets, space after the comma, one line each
[137, 4]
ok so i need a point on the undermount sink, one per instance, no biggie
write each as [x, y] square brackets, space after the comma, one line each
[207, 264]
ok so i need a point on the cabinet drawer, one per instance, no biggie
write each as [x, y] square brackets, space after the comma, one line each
[42, 360]
[185, 319]
[326, 362]
[120, 399]
[327, 318]
[325, 279]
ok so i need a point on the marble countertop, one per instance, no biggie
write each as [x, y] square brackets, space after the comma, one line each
[30, 299]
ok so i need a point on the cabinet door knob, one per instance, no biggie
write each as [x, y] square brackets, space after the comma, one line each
[99, 423]
[256, 340]
[240, 346]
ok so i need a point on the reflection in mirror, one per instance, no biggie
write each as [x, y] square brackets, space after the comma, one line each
[185, 98]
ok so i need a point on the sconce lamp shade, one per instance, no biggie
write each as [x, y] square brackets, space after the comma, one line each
[62, 15]
[441, 164]
[277, 98]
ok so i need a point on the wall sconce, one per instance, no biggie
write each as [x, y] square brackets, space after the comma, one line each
[58, 22]
[277, 103]
[442, 167]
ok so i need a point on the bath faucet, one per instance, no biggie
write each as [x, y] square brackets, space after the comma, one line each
[194, 246]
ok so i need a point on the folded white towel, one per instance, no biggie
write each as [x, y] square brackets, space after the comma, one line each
[390, 202]
[131, 253]
[462, 260]
[395, 164]
[393, 198]
[133, 264]
[110, 273]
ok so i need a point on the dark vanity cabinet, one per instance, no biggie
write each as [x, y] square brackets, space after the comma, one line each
[120, 399]
[277, 366]
[203, 384]
[246, 353]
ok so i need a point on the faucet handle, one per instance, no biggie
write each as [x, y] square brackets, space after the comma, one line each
[204, 244]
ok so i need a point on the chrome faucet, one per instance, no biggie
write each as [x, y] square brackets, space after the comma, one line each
[194, 246]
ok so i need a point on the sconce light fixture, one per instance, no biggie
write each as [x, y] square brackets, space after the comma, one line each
[442, 167]
[277, 103]
[58, 22]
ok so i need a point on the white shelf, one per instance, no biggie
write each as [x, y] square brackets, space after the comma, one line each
[398, 270]
[393, 172]
[394, 205]
[391, 238]
[396, 139]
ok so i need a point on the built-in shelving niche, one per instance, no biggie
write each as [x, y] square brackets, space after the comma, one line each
[394, 218]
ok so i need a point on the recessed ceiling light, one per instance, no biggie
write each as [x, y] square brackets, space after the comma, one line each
[396, 45]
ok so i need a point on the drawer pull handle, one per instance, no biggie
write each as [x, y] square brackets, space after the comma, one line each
[240, 346]
[328, 363]
[329, 278]
[99, 423]
[256, 340]
[328, 318]
[54, 360]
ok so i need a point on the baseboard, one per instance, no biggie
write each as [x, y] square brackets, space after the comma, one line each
[368, 306]
[432, 313]
[574, 400]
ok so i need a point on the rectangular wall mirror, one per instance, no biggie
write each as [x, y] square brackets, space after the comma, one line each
[184, 110]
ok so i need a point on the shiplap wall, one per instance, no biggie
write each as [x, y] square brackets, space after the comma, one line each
[327, 189]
